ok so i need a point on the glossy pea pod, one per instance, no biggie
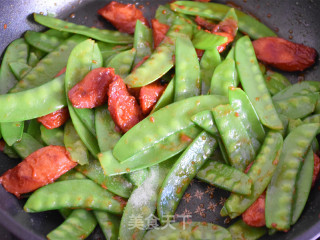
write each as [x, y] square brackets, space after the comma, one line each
[312, 119]
[260, 174]
[280, 191]
[68, 194]
[216, 11]
[118, 185]
[12, 132]
[103, 35]
[33, 59]
[165, 15]
[137, 178]
[108, 223]
[10, 152]
[182, 172]
[240, 230]
[19, 69]
[48, 67]
[86, 115]
[123, 62]
[205, 121]
[142, 41]
[187, 78]
[78, 225]
[42, 41]
[160, 61]
[275, 82]
[52, 136]
[166, 98]
[236, 140]
[71, 175]
[205, 40]
[225, 177]
[294, 123]
[26, 145]
[109, 49]
[58, 34]
[254, 85]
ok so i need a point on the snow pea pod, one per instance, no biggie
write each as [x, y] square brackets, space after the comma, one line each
[294, 123]
[78, 225]
[166, 97]
[216, 11]
[19, 69]
[280, 191]
[142, 42]
[260, 174]
[224, 76]
[108, 223]
[317, 110]
[187, 78]
[225, 177]
[52, 136]
[48, 67]
[254, 85]
[163, 123]
[209, 61]
[26, 146]
[71, 175]
[123, 62]
[205, 121]
[109, 49]
[42, 41]
[17, 51]
[86, 115]
[240, 230]
[103, 35]
[33, 59]
[137, 178]
[182, 172]
[165, 15]
[234, 136]
[12, 132]
[160, 60]
[118, 185]
[192, 231]
[205, 40]
[275, 82]
[312, 119]
[57, 34]
[68, 194]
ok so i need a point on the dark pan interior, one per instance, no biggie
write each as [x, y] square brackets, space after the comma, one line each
[297, 20]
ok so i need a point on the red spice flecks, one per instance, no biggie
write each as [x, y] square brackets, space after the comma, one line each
[236, 114]
[152, 119]
[5, 26]
[185, 138]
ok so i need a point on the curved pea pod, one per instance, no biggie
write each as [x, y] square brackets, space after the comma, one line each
[224, 76]
[48, 67]
[297, 89]
[78, 225]
[182, 172]
[142, 41]
[95, 33]
[138, 177]
[187, 78]
[254, 85]
[108, 223]
[205, 121]
[240, 230]
[209, 61]
[26, 145]
[109, 49]
[194, 230]
[241, 104]
[122, 62]
[68, 194]
[71, 175]
[285, 122]
[260, 174]
[205, 40]
[149, 71]
[74, 145]
[153, 129]
[12, 132]
[280, 191]
[275, 82]
[52, 136]
[166, 98]
[216, 11]
[86, 115]
[317, 110]
[312, 119]
[225, 177]
[165, 15]
[42, 41]
[33, 59]
[118, 185]
[57, 34]
[17, 51]
[19, 69]
[303, 186]
[294, 123]
[297, 106]
[234, 136]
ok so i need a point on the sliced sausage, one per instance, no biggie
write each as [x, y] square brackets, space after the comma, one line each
[255, 215]
[159, 31]
[55, 119]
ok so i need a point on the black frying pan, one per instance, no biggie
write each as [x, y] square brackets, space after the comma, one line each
[297, 20]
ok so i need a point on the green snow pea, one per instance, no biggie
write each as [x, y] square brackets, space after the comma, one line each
[142, 42]
[216, 11]
[57, 34]
[118, 185]
[78, 225]
[138, 177]
[86, 115]
[280, 191]
[74, 145]
[19, 69]
[204, 40]
[205, 121]
[33, 59]
[65, 212]
[12, 132]
[166, 97]
[108, 223]
[223, 152]
[163, 123]
[17, 51]
[240, 231]
[234, 136]
[10, 152]
[42, 41]
[52, 136]
[317, 110]
[123, 62]
[71, 175]
[69, 194]
[297, 89]
[182, 172]
[209, 61]
[26, 146]
[225, 177]
[275, 82]
[294, 123]
[224, 76]
[160, 61]
[191, 231]
[187, 78]
[241, 104]
[312, 119]
[260, 174]
[165, 15]
[103, 35]
[48, 67]
[285, 122]
[303, 186]
[109, 49]
[254, 85]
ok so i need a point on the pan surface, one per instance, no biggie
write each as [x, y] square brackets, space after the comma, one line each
[297, 20]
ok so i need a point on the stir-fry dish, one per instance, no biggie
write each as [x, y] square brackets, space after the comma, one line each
[112, 126]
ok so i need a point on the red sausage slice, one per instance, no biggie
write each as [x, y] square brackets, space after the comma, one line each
[255, 215]
[207, 25]
[38, 169]
[55, 119]
[159, 31]
[316, 169]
